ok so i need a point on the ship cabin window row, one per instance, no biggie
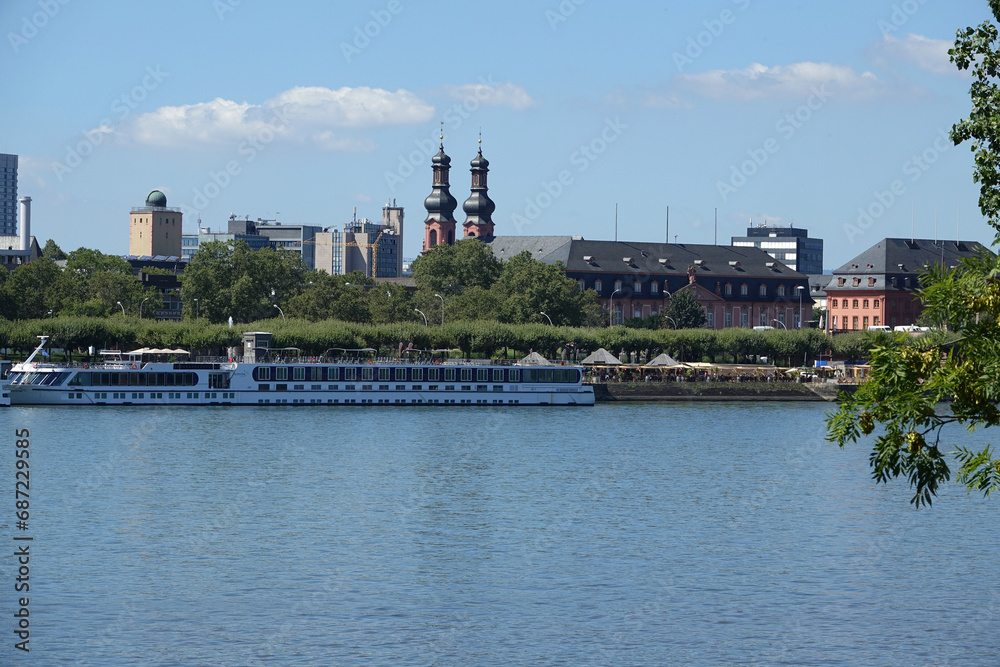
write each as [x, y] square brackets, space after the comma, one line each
[416, 374]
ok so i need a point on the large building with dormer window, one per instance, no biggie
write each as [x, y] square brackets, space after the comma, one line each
[737, 287]
[878, 287]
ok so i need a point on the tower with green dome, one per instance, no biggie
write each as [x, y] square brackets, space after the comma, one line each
[154, 229]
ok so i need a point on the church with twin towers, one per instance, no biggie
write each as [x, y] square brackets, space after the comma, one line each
[439, 226]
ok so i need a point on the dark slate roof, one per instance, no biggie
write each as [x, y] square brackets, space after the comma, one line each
[548, 249]
[610, 256]
[886, 256]
[901, 258]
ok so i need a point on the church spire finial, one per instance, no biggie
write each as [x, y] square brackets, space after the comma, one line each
[441, 135]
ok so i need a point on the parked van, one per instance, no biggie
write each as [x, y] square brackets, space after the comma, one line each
[880, 327]
[911, 328]
[763, 328]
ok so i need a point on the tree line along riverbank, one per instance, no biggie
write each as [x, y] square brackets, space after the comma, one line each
[480, 339]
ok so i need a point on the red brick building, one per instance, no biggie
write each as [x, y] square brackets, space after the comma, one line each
[878, 287]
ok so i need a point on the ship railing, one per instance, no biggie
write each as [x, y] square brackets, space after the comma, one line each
[100, 365]
[360, 361]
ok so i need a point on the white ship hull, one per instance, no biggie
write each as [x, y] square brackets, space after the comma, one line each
[242, 384]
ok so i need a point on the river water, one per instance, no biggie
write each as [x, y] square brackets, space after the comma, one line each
[646, 534]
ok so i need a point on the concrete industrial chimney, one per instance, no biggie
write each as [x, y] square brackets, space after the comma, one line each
[25, 223]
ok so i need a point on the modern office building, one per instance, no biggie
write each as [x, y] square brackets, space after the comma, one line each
[259, 234]
[8, 195]
[237, 230]
[23, 248]
[297, 238]
[374, 249]
[154, 229]
[789, 245]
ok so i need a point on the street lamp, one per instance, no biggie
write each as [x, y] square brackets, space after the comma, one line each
[442, 308]
[280, 311]
[422, 315]
[196, 309]
[800, 288]
[611, 308]
[781, 323]
[671, 320]
[548, 318]
[140, 306]
[122, 307]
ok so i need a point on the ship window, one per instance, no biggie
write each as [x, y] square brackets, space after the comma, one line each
[449, 375]
[466, 375]
[351, 373]
[383, 374]
[333, 373]
[300, 373]
[482, 374]
[418, 374]
[281, 373]
[432, 375]
[515, 375]
[400, 375]
[367, 374]
[498, 375]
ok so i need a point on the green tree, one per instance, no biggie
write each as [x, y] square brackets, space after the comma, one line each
[528, 287]
[52, 250]
[343, 297]
[34, 289]
[910, 382]
[231, 280]
[685, 311]
[449, 269]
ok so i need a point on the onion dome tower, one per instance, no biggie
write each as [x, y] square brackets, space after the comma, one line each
[479, 207]
[439, 226]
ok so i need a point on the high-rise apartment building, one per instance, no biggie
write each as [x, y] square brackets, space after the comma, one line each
[8, 195]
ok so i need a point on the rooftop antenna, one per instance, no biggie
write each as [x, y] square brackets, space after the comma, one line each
[616, 222]
[913, 204]
[935, 223]
[958, 225]
[716, 225]
[668, 224]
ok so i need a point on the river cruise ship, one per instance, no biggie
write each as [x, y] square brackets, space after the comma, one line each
[263, 377]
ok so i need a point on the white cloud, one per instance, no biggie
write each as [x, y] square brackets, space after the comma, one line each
[797, 80]
[927, 54]
[492, 94]
[305, 114]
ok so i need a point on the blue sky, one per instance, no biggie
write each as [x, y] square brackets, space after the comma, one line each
[828, 116]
